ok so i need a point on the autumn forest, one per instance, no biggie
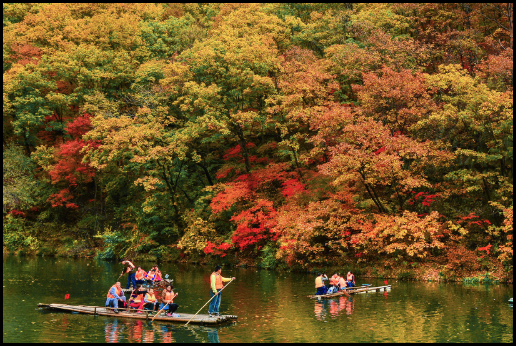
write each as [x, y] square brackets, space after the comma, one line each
[294, 136]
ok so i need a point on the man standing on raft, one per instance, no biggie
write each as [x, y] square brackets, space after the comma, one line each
[216, 282]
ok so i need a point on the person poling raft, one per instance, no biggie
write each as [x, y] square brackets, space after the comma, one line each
[217, 284]
[129, 269]
[319, 284]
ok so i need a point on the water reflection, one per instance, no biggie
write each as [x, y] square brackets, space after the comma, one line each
[271, 307]
[334, 306]
[112, 331]
[145, 331]
[166, 334]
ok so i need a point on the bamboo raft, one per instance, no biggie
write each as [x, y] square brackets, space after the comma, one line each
[351, 290]
[146, 315]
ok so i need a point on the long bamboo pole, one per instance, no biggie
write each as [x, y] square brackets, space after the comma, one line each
[175, 295]
[208, 302]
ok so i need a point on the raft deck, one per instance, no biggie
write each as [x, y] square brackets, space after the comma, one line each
[351, 290]
[146, 315]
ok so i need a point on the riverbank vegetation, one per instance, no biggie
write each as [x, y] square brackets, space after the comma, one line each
[297, 136]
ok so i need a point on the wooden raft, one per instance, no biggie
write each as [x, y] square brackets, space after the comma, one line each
[351, 290]
[105, 311]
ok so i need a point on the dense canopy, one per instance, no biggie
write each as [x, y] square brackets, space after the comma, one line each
[274, 134]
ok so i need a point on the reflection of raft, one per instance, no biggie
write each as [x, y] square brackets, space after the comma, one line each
[103, 311]
[352, 290]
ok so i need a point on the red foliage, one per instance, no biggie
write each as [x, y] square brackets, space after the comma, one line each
[233, 152]
[292, 187]
[219, 250]
[79, 126]
[246, 186]
[232, 193]
[382, 149]
[49, 134]
[69, 167]
[427, 199]
[25, 53]
[60, 198]
[472, 216]
[15, 212]
[485, 248]
[255, 225]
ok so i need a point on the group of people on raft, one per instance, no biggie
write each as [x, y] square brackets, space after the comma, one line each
[144, 298]
[138, 276]
[336, 283]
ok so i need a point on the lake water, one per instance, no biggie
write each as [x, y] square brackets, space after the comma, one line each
[271, 307]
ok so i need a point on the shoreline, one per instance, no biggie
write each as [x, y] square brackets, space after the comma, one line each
[420, 272]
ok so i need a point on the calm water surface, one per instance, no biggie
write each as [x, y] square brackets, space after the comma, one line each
[271, 307]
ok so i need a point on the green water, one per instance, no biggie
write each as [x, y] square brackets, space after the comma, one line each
[271, 307]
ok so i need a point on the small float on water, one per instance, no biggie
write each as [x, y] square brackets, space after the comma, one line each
[146, 315]
[352, 290]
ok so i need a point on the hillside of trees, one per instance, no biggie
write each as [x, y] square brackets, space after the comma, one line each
[290, 135]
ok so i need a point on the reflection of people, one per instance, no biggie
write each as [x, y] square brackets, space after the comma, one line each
[112, 331]
[217, 283]
[320, 309]
[149, 336]
[166, 336]
[138, 331]
[213, 335]
[350, 279]
[115, 295]
[350, 306]
[319, 284]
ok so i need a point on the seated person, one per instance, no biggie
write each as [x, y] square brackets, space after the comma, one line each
[150, 300]
[157, 273]
[350, 280]
[136, 300]
[334, 284]
[139, 276]
[342, 283]
[168, 297]
[114, 296]
[150, 276]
